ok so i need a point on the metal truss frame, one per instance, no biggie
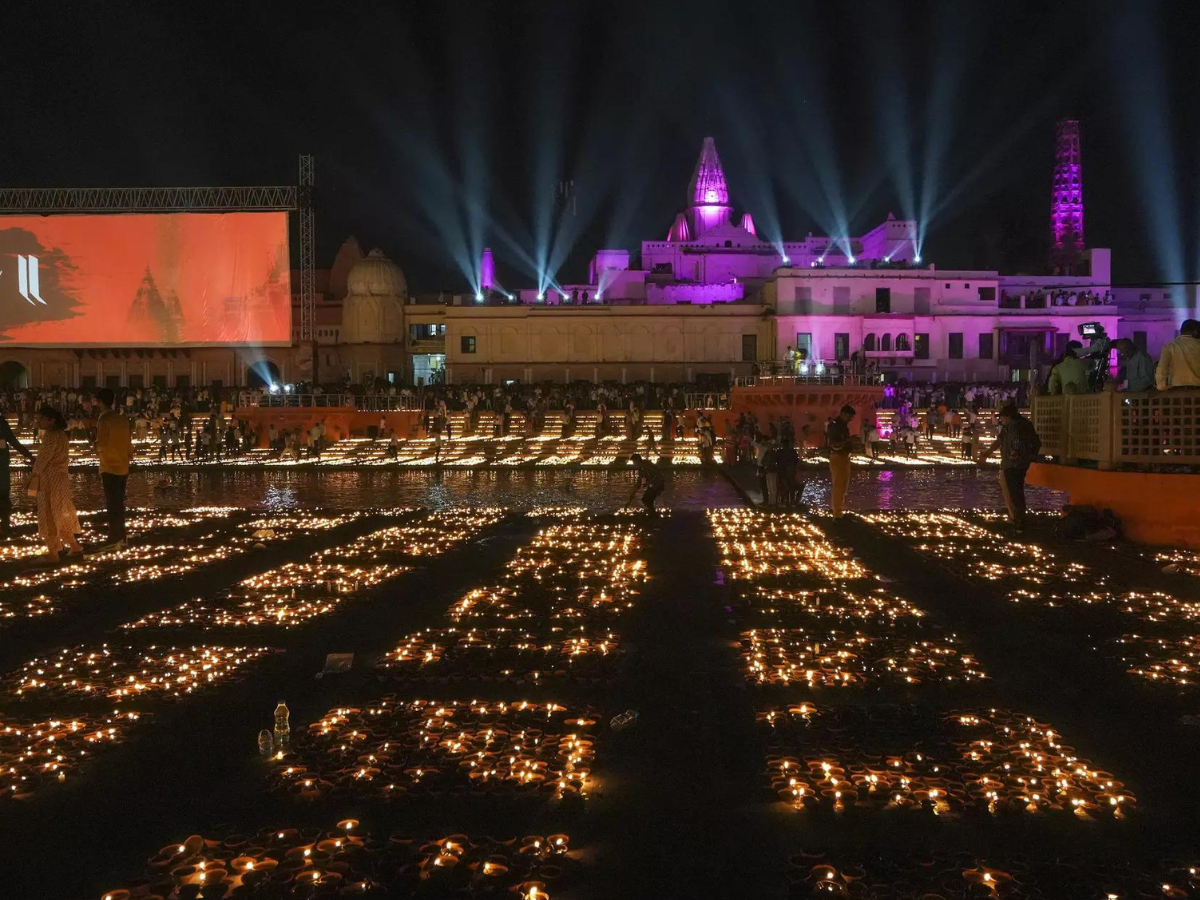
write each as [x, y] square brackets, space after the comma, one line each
[284, 198]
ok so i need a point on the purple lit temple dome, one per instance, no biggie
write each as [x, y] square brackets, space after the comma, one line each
[680, 230]
[708, 192]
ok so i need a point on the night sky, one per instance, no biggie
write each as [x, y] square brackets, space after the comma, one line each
[437, 126]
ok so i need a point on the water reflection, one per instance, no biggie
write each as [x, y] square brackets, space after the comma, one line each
[599, 490]
[358, 489]
[964, 488]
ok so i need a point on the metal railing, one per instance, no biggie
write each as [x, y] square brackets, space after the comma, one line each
[1111, 429]
[289, 400]
[708, 400]
[403, 402]
[783, 379]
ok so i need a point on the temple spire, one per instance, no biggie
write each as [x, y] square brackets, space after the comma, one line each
[708, 181]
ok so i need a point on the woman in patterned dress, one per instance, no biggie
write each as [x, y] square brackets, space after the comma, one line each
[57, 523]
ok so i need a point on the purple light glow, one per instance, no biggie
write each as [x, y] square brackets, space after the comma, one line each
[708, 181]
[487, 270]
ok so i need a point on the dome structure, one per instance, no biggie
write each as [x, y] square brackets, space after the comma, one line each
[376, 276]
[373, 311]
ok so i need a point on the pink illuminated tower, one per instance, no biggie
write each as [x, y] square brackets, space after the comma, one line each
[708, 193]
[487, 270]
[1066, 202]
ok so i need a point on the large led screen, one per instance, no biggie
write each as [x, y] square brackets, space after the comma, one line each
[143, 280]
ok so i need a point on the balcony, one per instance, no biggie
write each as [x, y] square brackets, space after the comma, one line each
[425, 345]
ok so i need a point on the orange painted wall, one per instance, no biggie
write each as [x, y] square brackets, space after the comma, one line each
[339, 423]
[1153, 508]
[805, 405]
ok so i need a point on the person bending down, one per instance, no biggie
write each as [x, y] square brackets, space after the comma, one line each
[648, 476]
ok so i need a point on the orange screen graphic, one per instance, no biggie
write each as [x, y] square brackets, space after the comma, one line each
[145, 280]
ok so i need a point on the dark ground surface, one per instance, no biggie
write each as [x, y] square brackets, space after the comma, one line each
[682, 808]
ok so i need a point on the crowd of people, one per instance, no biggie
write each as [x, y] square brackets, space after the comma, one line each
[1060, 297]
[906, 396]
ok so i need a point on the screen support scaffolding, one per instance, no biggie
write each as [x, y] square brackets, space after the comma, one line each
[285, 198]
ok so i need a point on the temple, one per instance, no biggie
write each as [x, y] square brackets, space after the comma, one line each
[709, 258]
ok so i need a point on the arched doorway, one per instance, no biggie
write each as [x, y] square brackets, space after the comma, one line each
[13, 376]
[263, 373]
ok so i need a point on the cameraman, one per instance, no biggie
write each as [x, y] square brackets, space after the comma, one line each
[1097, 354]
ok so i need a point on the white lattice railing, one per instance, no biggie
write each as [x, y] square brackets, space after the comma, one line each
[1157, 428]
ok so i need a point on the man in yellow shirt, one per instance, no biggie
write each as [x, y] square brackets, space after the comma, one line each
[839, 444]
[1179, 364]
[114, 447]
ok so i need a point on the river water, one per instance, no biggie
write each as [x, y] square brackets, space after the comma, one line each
[598, 490]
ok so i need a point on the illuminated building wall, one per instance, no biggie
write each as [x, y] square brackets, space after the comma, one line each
[618, 343]
[922, 324]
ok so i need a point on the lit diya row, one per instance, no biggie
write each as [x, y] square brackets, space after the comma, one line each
[127, 673]
[756, 545]
[150, 531]
[548, 617]
[978, 760]
[405, 750]
[959, 876]
[1167, 661]
[482, 447]
[832, 658]
[344, 861]
[1006, 762]
[295, 593]
[880, 609]
[1030, 573]
[887, 644]
[219, 545]
[36, 752]
[150, 557]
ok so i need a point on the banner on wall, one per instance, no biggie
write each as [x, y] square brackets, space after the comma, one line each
[145, 280]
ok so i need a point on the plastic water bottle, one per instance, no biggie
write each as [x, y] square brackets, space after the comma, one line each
[283, 729]
[266, 744]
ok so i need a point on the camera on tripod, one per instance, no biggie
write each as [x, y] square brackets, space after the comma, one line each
[1097, 353]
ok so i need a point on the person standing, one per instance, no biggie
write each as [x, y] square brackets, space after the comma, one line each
[760, 447]
[770, 466]
[8, 443]
[1179, 363]
[1138, 366]
[968, 442]
[58, 524]
[837, 440]
[871, 438]
[786, 462]
[1019, 446]
[114, 447]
